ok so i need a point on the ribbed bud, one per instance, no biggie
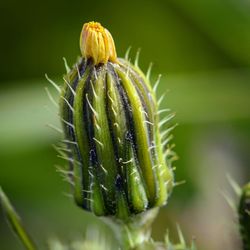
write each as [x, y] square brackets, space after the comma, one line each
[111, 127]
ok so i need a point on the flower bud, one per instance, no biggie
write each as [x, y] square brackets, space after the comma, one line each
[111, 126]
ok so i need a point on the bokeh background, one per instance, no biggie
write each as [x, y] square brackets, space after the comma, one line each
[202, 49]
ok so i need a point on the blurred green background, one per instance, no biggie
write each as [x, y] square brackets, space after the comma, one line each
[202, 48]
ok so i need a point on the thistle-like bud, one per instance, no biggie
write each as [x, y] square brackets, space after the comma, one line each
[112, 130]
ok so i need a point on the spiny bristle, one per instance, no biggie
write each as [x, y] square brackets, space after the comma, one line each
[148, 74]
[157, 83]
[53, 84]
[51, 98]
[127, 53]
[55, 128]
[137, 57]
[67, 68]
[71, 89]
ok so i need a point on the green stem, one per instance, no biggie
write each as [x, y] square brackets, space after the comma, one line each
[135, 230]
[16, 222]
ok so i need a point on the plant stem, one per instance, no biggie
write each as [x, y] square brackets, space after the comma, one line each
[133, 231]
[15, 222]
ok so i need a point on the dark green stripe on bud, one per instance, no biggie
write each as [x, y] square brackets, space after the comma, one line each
[110, 121]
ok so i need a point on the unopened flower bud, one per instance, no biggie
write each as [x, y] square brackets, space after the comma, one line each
[111, 125]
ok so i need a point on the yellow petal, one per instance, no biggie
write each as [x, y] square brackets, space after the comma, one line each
[97, 43]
